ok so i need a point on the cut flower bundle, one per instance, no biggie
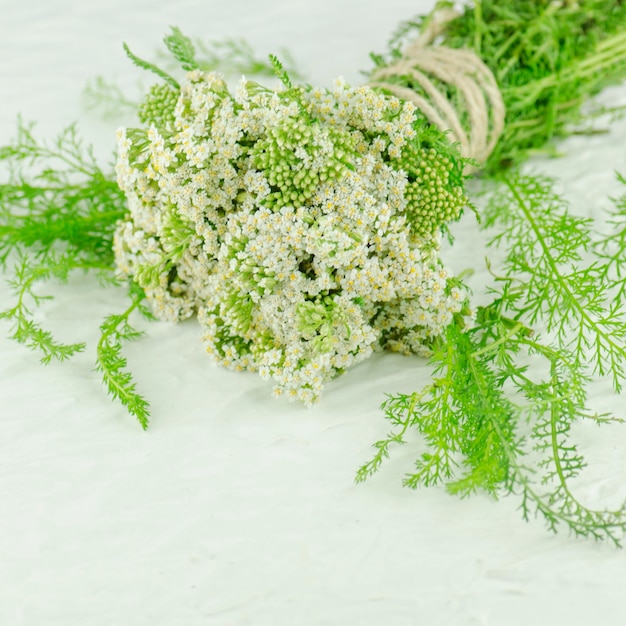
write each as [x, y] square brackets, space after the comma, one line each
[303, 228]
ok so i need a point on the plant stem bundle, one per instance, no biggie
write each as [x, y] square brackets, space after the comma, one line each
[548, 58]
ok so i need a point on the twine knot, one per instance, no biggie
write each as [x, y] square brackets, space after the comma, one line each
[476, 118]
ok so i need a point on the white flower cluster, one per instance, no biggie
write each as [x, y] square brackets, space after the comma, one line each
[280, 219]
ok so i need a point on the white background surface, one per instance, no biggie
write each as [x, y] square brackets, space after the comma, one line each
[235, 508]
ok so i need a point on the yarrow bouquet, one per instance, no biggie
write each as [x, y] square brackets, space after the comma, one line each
[303, 228]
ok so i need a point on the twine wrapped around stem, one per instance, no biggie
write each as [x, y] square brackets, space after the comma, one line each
[476, 119]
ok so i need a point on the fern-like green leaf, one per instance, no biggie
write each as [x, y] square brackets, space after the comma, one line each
[182, 49]
[500, 393]
[280, 71]
[112, 365]
[151, 67]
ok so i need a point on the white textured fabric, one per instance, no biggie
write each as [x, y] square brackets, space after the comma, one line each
[235, 508]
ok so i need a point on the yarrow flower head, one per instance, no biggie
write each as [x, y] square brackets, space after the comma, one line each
[301, 226]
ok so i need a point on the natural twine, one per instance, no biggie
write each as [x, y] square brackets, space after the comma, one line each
[480, 98]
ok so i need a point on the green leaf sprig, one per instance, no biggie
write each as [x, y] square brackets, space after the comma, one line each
[551, 281]
[489, 422]
[58, 213]
[112, 365]
[25, 330]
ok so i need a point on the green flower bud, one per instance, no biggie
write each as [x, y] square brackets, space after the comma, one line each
[158, 106]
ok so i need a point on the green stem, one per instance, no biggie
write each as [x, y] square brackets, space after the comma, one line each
[480, 26]
[514, 331]
[608, 52]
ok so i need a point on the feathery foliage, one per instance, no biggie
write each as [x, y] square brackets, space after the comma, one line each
[610, 245]
[58, 213]
[487, 411]
[115, 330]
[548, 266]
[182, 49]
[57, 193]
[25, 330]
[106, 98]
[151, 67]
